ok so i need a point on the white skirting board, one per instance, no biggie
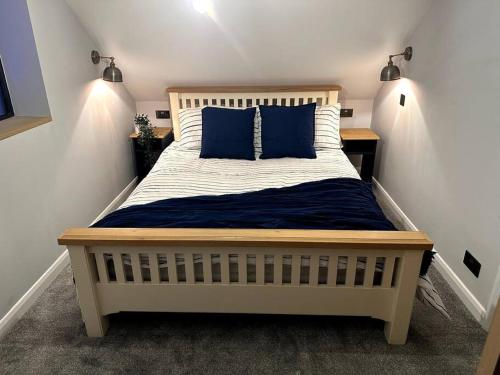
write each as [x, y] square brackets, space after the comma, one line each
[30, 297]
[465, 295]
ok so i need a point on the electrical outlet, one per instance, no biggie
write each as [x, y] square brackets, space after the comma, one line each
[163, 114]
[346, 112]
[402, 100]
[472, 263]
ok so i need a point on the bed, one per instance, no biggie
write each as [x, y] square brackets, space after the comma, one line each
[231, 270]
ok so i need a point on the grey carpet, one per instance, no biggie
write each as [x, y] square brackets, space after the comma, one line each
[50, 339]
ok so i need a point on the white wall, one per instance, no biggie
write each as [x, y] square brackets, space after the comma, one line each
[439, 154]
[150, 109]
[64, 173]
[362, 115]
[20, 60]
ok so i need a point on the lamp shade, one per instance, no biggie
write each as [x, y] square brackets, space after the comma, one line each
[112, 73]
[390, 72]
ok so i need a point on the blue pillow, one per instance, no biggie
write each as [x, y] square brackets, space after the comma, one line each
[287, 131]
[227, 133]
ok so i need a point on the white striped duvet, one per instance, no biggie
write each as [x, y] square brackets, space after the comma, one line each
[181, 173]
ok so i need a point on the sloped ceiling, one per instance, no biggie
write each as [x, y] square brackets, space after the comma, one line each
[160, 43]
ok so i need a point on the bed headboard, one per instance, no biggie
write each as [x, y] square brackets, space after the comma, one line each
[246, 96]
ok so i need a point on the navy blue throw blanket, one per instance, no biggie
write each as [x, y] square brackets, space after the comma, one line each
[337, 203]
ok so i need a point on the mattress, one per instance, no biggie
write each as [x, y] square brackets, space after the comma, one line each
[181, 173]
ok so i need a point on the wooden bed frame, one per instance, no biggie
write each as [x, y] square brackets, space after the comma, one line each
[390, 300]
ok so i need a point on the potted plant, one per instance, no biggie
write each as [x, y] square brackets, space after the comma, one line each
[145, 138]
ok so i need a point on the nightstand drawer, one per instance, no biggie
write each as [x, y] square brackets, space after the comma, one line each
[359, 147]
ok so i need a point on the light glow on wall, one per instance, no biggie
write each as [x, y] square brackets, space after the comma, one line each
[100, 98]
[99, 88]
[404, 86]
[204, 7]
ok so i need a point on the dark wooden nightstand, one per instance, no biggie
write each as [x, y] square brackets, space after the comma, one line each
[163, 137]
[363, 142]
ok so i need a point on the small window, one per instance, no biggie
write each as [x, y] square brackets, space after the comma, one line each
[6, 109]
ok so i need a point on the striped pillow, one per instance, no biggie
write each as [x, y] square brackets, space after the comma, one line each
[190, 125]
[257, 142]
[326, 125]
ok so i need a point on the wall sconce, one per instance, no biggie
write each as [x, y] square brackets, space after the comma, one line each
[111, 73]
[391, 72]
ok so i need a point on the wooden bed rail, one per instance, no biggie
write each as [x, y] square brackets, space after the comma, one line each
[383, 240]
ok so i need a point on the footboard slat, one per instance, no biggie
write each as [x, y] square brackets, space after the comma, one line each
[172, 268]
[388, 271]
[224, 268]
[333, 262]
[189, 266]
[154, 268]
[207, 268]
[118, 263]
[278, 269]
[259, 269]
[369, 272]
[102, 270]
[242, 268]
[314, 270]
[296, 261]
[351, 271]
[136, 268]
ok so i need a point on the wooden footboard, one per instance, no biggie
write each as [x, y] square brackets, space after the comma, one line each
[320, 272]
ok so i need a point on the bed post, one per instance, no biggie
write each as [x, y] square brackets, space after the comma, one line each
[85, 276]
[333, 97]
[396, 329]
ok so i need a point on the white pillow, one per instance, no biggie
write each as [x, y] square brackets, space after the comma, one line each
[327, 124]
[190, 125]
[326, 128]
